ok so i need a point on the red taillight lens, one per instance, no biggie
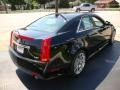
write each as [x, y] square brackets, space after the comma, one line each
[11, 39]
[25, 37]
[45, 50]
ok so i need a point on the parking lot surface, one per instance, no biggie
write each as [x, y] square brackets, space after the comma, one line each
[102, 71]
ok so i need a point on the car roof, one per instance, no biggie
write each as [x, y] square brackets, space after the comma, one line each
[72, 15]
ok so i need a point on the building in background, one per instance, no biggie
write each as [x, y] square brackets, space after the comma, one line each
[107, 4]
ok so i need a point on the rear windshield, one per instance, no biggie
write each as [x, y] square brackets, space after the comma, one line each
[50, 23]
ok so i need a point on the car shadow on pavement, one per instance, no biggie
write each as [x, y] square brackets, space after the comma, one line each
[96, 70]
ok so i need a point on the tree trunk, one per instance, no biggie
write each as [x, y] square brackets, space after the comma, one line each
[5, 6]
[44, 6]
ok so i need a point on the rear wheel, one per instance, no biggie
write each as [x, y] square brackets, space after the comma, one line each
[92, 10]
[78, 10]
[78, 63]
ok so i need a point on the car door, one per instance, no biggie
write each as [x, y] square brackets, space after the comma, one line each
[90, 35]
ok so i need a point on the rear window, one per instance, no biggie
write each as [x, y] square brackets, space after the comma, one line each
[50, 23]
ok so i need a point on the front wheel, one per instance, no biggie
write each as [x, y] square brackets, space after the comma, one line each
[78, 63]
[112, 38]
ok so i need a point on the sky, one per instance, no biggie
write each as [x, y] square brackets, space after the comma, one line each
[118, 1]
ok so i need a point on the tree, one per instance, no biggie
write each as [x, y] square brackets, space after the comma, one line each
[64, 4]
[15, 2]
[42, 2]
[29, 4]
[88, 1]
[4, 2]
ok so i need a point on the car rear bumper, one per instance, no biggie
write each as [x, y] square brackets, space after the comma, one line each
[29, 66]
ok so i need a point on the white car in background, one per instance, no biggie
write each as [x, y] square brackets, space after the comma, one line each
[85, 7]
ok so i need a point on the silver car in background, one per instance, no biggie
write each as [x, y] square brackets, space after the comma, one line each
[85, 7]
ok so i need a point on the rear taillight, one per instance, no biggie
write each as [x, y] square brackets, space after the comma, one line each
[22, 36]
[45, 50]
[11, 41]
[25, 37]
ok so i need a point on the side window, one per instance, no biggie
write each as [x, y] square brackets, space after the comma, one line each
[86, 23]
[81, 26]
[97, 22]
[86, 5]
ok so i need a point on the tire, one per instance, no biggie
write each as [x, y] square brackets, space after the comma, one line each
[77, 10]
[92, 10]
[112, 38]
[78, 63]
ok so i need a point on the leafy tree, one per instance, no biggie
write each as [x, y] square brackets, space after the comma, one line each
[88, 1]
[29, 4]
[73, 0]
[64, 4]
[15, 2]
[75, 3]
[42, 2]
[4, 2]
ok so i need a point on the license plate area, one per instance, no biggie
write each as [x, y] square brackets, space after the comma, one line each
[20, 49]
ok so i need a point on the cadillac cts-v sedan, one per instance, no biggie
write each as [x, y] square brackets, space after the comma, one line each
[59, 43]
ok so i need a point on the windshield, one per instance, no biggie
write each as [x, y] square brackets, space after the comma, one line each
[50, 23]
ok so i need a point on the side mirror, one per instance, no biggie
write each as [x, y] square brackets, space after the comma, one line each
[107, 23]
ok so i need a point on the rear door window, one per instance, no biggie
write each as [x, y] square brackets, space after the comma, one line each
[86, 23]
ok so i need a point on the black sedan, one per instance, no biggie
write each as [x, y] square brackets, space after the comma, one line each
[59, 43]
